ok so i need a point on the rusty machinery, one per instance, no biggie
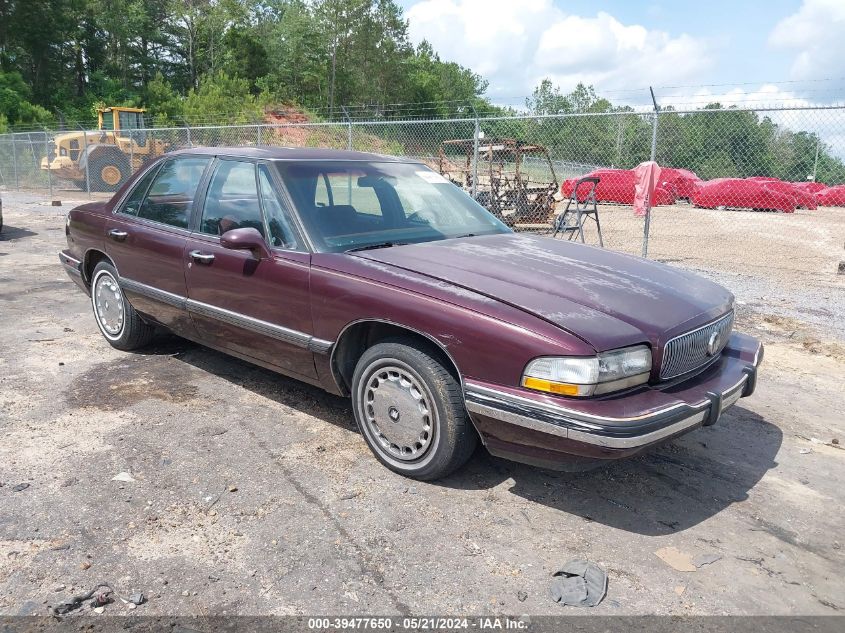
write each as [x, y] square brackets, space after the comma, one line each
[520, 194]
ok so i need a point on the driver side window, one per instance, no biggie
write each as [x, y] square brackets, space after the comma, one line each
[279, 221]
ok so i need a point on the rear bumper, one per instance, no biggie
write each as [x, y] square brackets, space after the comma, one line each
[73, 267]
[549, 431]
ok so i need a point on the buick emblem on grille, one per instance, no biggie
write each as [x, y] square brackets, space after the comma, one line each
[713, 343]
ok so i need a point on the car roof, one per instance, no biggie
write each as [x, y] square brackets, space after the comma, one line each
[291, 153]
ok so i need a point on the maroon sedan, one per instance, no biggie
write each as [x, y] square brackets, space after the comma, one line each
[373, 277]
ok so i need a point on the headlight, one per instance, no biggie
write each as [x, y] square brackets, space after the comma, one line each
[589, 375]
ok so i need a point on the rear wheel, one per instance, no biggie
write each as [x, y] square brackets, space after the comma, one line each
[118, 321]
[410, 410]
[108, 171]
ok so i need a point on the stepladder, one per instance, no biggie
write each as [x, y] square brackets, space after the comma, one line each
[581, 206]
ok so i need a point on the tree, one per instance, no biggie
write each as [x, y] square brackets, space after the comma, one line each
[219, 97]
[548, 99]
[15, 107]
[245, 56]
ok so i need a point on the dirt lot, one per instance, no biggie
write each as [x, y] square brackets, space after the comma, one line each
[254, 494]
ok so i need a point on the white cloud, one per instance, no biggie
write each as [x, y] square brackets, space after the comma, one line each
[516, 44]
[816, 31]
[609, 54]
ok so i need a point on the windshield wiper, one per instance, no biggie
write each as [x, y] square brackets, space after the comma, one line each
[368, 247]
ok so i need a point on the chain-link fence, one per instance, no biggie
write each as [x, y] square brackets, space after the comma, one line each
[724, 171]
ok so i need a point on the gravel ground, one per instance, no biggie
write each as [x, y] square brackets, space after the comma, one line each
[775, 263]
[254, 494]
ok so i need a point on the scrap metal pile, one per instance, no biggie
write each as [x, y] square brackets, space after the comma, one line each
[514, 180]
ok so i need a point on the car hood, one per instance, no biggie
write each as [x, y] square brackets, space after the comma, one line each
[606, 298]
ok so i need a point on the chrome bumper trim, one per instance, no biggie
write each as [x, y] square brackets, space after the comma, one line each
[620, 433]
[640, 440]
[71, 264]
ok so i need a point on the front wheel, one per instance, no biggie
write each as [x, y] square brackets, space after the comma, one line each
[118, 321]
[410, 410]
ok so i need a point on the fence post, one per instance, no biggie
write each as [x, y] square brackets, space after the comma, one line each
[258, 135]
[655, 116]
[87, 170]
[349, 125]
[131, 153]
[15, 161]
[47, 156]
[475, 135]
[187, 131]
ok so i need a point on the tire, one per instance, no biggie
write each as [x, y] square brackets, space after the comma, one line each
[410, 410]
[108, 170]
[119, 323]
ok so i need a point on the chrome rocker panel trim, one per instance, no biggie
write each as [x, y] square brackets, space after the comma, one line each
[621, 433]
[162, 296]
[287, 335]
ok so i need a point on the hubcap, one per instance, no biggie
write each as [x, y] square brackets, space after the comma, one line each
[110, 174]
[397, 413]
[108, 301]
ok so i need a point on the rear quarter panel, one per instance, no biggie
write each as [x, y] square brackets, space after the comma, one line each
[85, 229]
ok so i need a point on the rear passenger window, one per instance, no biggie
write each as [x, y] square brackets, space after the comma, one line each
[171, 196]
[232, 200]
[133, 202]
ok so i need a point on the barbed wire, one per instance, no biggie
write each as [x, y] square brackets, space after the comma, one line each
[495, 107]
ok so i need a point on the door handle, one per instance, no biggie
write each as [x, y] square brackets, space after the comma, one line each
[117, 235]
[202, 258]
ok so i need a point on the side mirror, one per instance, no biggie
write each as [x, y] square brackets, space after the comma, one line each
[246, 239]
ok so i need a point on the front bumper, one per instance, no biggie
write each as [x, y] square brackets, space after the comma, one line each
[548, 431]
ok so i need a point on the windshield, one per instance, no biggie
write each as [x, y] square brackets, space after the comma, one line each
[353, 205]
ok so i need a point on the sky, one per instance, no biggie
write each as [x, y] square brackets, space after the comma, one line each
[760, 52]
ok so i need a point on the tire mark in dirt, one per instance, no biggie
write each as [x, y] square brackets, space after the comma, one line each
[364, 558]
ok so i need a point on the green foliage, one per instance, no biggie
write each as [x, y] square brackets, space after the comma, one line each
[218, 95]
[436, 85]
[716, 143]
[167, 55]
[245, 56]
[199, 61]
[14, 105]
[164, 105]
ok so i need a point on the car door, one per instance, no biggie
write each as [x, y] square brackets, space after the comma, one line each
[259, 308]
[146, 239]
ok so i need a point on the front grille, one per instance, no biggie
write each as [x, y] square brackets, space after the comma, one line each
[688, 352]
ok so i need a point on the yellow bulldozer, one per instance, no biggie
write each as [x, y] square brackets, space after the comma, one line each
[110, 154]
